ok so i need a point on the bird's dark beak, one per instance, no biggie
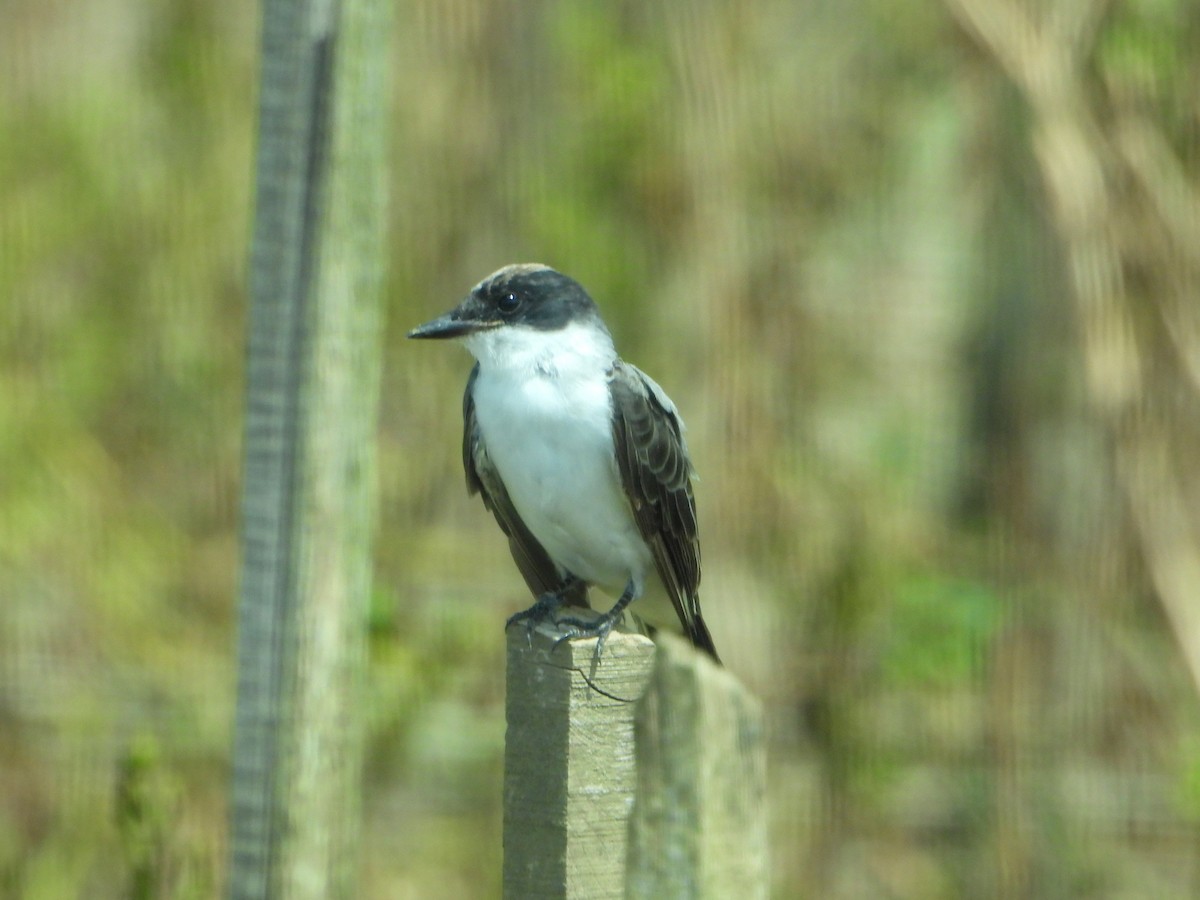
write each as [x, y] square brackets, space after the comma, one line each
[464, 319]
[443, 327]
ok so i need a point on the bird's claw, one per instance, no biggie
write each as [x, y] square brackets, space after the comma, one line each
[542, 610]
[599, 628]
[546, 608]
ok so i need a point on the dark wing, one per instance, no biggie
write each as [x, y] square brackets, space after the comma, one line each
[657, 475]
[535, 564]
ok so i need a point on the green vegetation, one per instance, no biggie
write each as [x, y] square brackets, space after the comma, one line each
[937, 538]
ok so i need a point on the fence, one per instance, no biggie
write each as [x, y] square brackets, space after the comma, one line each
[641, 776]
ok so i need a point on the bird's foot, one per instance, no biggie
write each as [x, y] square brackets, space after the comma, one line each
[543, 610]
[599, 627]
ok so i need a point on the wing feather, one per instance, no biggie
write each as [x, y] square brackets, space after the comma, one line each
[657, 476]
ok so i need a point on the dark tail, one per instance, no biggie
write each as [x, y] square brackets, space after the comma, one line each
[697, 632]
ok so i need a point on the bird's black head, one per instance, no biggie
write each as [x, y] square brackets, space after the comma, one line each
[527, 294]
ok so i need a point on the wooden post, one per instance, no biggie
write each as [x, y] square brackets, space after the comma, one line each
[643, 776]
[316, 272]
[569, 773]
[699, 827]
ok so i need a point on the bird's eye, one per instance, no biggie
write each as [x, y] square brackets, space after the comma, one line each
[509, 303]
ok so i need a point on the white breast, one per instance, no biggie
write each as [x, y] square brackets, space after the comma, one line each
[543, 407]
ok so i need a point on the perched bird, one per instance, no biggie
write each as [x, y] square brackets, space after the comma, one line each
[579, 455]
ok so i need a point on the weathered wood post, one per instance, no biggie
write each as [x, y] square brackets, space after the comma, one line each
[699, 826]
[569, 771]
[643, 776]
[316, 272]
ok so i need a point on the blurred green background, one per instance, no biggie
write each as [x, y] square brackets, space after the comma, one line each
[845, 236]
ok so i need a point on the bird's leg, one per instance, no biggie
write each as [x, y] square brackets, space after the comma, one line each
[544, 608]
[600, 627]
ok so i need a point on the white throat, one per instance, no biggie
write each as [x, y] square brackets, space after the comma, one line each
[579, 349]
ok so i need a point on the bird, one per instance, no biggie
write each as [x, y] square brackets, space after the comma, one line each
[579, 455]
